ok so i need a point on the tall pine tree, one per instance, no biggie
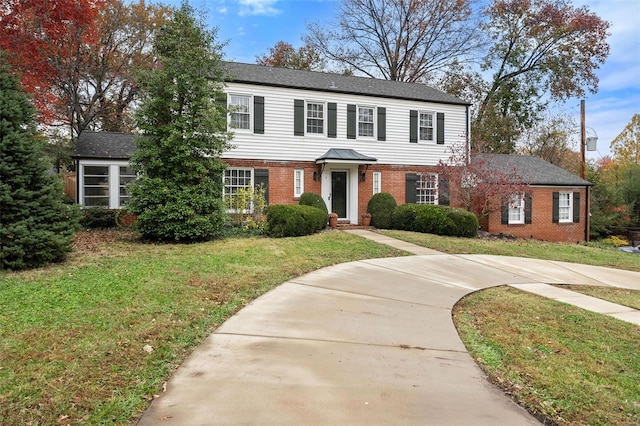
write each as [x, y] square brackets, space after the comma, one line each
[178, 196]
[36, 227]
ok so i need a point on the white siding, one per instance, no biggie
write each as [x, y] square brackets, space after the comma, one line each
[279, 143]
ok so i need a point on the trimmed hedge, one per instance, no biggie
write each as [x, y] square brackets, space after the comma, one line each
[381, 207]
[97, 218]
[313, 200]
[284, 220]
[435, 219]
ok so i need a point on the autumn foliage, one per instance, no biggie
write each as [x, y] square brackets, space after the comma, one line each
[41, 36]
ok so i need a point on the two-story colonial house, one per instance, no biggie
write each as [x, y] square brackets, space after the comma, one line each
[345, 138]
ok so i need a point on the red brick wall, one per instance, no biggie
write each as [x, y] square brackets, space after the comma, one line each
[542, 226]
[281, 180]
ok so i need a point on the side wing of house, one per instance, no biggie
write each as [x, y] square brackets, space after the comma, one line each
[556, 207]
[343, 146]
[102, 169]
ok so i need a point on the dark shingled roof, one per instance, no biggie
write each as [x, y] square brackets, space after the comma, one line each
[105, 145]
[346, 155]
[533, 170]
[337, 83]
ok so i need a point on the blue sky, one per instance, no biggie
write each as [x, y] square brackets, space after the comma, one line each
[251, 27]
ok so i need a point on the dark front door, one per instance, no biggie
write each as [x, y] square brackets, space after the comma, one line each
[339, 193]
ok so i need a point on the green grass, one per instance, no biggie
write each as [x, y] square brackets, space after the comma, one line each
[565, 365]
[72, 336]
[591, 254]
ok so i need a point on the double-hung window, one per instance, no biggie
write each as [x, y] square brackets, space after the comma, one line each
[315, 118]
[236, 182]
[366, 121]
[427, 188]
[240, 111]
[565, 212]
[516, 209]
[426, 126]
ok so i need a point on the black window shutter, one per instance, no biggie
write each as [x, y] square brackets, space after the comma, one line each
[556, 207]
[258, 114]
[504, 213]
[222, 102]
[413, 126]
[298, 117]
[351, 121]
[443, 192]
[576, 207]
[440, 128]
[411, 180]
[528, 208]
[332, 119]
[261, 177]
[382, 124]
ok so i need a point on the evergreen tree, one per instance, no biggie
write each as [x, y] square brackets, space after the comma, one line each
[36, 227]
[178, 196]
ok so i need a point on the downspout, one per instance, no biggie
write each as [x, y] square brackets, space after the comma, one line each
[468, 136]
[587, 216]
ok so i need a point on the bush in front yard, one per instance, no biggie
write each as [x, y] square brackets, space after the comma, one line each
[285, 220]
[466, 223]
[381, 207]
[95, 218]
[313, 200]
[435, 219]
[404, 217]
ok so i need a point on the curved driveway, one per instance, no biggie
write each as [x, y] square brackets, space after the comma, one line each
[364, 343]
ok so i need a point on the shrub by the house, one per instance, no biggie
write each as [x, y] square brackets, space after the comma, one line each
[435, 219]
[313, 200]
[98, 218]
[381, 207]
[285, 220]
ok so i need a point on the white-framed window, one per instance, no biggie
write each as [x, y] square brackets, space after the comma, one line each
[426, 126]
[516, 209]
[104, 184]
[565, 212]
[240, 112]
[377, 182]
[315, 118]
[298, 182]
[236, 179]
[366, 121]
[127, 175]
[95, 184]
[427, 188]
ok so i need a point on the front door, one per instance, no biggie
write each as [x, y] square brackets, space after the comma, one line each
[339, 193]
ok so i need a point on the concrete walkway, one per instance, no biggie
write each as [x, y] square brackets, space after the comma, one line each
[365, 343]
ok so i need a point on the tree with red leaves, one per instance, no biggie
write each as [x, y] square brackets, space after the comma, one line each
[78, 58]
[42, 38]
[477, 186]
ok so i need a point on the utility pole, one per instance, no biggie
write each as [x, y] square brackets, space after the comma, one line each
[583, 140]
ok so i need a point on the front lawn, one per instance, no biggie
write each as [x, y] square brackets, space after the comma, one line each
[566, 365]
[92, 340]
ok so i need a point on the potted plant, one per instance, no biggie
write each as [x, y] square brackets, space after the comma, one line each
[366, 219]
[333, 220]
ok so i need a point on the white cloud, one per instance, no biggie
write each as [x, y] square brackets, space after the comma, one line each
[223, 10]
[258, 7]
